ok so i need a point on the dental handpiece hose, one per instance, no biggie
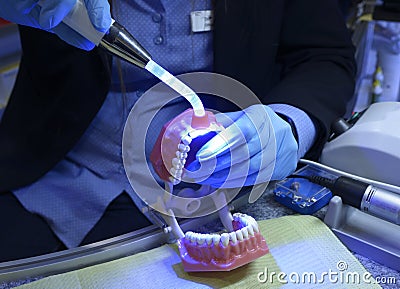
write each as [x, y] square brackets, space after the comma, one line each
[117, 40]
[370, 199]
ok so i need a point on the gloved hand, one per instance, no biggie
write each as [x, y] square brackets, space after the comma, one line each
[49, 14]
[256, 147]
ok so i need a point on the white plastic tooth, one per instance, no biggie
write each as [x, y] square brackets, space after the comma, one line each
[239, 216]
[254, 225]
[188, 234]
[244, 220]
[239, 235]
[186, 140]
[216, 239]
[233, 238]
[245, 233]
[225, 239]
[177, 164]
[174, 181]
[183, 148]
[193, 237]
[200, 239]
[177, 178]
[251, 219]
[209, 239]
[172, 171]
[176, 173]
[180, 155]
[250, 230]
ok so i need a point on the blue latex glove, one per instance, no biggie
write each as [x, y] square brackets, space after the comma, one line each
[256, 147]
[50, 13]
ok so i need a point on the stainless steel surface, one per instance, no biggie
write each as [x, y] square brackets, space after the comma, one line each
[80, 257]
[118, 41]
[100, 252]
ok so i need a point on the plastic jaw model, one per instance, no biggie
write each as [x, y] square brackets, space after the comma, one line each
[178, 142]
[176, 148]
[225, 252]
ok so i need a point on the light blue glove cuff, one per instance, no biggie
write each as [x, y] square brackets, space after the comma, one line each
[305, 127]
[286, 147]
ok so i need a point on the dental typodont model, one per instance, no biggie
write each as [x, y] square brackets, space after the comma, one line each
[174, 150]
[214, 252]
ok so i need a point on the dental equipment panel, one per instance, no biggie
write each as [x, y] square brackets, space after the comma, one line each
[369, 148]
[300, 194]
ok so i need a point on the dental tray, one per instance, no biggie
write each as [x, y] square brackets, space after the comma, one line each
[365, 234]
[300, 194]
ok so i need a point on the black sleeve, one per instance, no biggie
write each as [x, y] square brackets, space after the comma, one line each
[58, 91]
[316, 57]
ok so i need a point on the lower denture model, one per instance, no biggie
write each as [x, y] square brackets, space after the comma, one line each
[174, 150]
[225, 252]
